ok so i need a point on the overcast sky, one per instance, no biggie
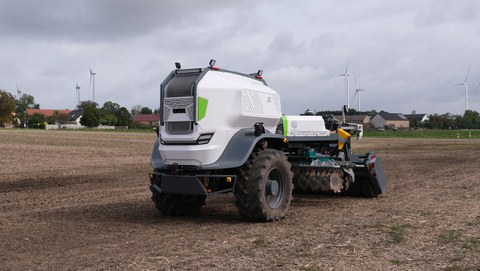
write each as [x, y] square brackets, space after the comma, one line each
[406, 54]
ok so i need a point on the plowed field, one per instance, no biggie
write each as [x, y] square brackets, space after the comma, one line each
[80, 201]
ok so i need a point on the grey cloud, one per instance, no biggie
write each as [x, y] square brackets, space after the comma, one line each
[89, 20]
[442, 12]
[406, 54]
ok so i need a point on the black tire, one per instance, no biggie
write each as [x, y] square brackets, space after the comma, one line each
[264, 186]
[177, 205]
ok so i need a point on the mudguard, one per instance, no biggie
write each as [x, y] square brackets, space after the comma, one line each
[156, 160]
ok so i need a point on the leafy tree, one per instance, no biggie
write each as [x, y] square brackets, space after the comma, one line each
[445, 121]
[108, 119]
[435, 121]
[23, 103]
[470, 120]
[350, 112]
[115, 115]
[413, 120]
[85, 104]
[145, 110]
[156, 111]
[61, 118]
[136, 109]
[123, 117]
[110, 107]
[26, 101]
[7, 107]
[37, 120]
[108, 113]
[91, 114]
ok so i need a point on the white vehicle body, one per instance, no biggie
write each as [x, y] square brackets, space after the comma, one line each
[220, 117]
[222, 131]
[304, 126]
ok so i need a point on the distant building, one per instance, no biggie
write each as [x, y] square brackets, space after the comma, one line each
[75, 116]
[47, 112]
[358, 119]
[147, 119]
[394, 120]
[71, 120]
[449, 116]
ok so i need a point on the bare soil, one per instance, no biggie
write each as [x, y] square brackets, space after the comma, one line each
[80, 201]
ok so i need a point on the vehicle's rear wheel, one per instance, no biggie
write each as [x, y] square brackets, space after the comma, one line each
[264, 187]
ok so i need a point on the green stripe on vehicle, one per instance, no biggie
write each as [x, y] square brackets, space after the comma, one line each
[285, 125]
[201, 108]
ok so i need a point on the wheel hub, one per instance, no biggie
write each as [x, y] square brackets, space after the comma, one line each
[272, 187]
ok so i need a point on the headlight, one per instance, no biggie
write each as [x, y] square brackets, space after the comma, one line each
[204, 138]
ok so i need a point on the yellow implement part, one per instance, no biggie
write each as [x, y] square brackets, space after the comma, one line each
[343, 136]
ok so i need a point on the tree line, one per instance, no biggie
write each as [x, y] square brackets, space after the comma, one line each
[469, 120]
[110, 114]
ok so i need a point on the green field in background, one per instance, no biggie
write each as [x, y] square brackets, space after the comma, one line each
[453, 134]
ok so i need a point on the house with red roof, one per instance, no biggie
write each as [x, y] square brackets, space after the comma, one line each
[47, 112]
[147, 119]
[72, 119]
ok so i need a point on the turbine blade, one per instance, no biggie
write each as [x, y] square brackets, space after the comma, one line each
[356, 91]
[466, 77]
[348, 63]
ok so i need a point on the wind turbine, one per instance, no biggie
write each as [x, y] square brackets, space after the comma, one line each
[465, 84]
[346, 76]
[18, 91]
[77, 88]
[357, 90]
[92, 75]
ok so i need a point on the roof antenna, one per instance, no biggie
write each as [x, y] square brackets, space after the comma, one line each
[259, 74]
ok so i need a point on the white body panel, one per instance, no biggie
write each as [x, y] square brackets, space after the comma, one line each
[195, 154]
[305, 126]
[234, 102]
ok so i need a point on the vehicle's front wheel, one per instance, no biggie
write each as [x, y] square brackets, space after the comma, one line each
[177, 205]
[264, 187]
